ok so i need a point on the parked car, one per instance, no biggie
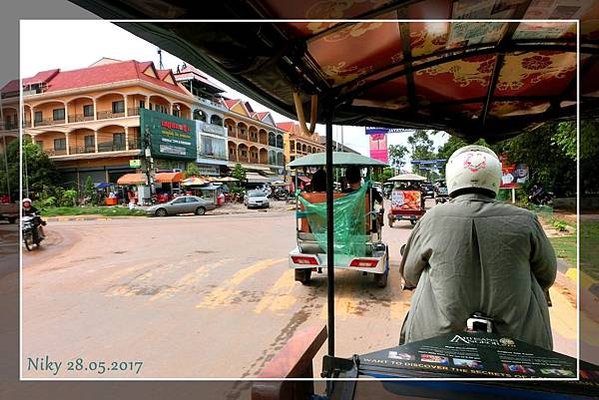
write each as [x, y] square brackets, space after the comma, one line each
[181, 205]
[256, 199]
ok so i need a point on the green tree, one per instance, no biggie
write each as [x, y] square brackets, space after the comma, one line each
[239, 172]
[382, 176]
[39, 172]
[397, 153]
[421, 147]
[192, 169]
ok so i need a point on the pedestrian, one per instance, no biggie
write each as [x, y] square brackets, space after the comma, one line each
[475, 254]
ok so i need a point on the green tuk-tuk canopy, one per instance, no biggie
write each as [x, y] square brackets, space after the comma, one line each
[339, 159]
[472, 79]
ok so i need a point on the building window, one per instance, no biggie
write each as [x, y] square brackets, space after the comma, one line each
[118, 141]
[89, 142]
[40, 144]
[216, 120]
[60, 144]
[199, 115]
[244, 153]
[38, 116]
[292, 145]
[58, 114]
[214, 148]
[88, 110]
[142, 104]
[118, 107]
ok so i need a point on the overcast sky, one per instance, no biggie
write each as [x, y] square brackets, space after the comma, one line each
[73, 44]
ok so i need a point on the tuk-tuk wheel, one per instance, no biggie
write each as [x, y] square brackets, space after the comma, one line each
[413, 222]
[381, 279]
[303, 275]
[391, 222]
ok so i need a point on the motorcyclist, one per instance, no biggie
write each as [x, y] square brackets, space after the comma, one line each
[474, 254]
[28, 211]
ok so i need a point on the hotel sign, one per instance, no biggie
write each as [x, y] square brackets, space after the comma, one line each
[170, 136]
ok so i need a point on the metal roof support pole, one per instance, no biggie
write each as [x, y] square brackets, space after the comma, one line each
[330, 233]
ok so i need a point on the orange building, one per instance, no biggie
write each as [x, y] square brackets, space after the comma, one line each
[299, 143]
[87, 120]
[254, 140]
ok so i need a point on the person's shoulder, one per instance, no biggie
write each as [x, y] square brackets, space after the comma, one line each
[513, 210]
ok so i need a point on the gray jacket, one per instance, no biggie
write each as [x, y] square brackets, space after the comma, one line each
[475, 254]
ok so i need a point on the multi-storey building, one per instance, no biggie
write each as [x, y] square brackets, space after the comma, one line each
[208, 111]
[88, 120]
[299, 143]
[9, 113]
[254, 140]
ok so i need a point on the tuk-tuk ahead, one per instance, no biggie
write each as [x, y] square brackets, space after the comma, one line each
[407, 200]
[358, 227]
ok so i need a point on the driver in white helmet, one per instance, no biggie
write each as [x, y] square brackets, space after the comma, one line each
[30, 210]
[474, 254]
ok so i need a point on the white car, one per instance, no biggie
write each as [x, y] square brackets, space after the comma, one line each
[256, 199]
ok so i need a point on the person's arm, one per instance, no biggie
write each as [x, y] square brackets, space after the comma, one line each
[415, 258]
[543, 262]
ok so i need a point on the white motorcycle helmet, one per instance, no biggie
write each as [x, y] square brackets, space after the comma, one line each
[26, 200]
[473, 167]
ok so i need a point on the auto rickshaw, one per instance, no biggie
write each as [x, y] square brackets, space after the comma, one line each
[358, 229]
[407, 200]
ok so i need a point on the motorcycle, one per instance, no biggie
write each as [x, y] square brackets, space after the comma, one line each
[540, 197]
[31, 226]
[280, 194]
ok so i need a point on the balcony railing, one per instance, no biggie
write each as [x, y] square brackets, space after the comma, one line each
[49, 121]
[55, 152]
[109, 114]
[133, 111]
[134, 144]
[9, 127]
[81, 149]
[110, 146]
[80, 118]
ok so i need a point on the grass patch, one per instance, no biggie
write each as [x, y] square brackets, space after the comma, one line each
[589, 248]
[565, 248]
[115, 211]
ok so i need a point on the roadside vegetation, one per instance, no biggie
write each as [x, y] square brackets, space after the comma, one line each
[114, 211]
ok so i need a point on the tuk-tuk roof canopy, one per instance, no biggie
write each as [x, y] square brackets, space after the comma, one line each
[472, 79]
[407, 178]
[339, 159]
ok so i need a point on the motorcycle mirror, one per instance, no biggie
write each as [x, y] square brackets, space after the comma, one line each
[402, 249]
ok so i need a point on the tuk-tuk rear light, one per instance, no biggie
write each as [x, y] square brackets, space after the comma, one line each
[304, 260]
[363, 263]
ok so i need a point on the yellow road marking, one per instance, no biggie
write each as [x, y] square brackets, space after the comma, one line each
[279, 297]
[224, 294]
[187, 280]
[398, 310]
[563, 316]
[345, 304]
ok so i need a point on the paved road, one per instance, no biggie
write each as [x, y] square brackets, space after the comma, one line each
[200, 297]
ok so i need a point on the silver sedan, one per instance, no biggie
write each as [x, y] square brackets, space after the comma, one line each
[181, 205]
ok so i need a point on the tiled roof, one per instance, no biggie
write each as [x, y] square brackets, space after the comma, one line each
[286, 126]
[230, 103]
[11, 86]
[101, 74]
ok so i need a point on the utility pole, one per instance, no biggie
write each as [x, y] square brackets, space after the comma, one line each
[149, 162]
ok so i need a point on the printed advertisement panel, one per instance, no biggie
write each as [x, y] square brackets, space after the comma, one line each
[403, 200]
[171, 137]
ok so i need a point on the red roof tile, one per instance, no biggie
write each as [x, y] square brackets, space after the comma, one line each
[44, 76]
[230, 103]
[287, 126]
[11, 86]
[99, 75]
